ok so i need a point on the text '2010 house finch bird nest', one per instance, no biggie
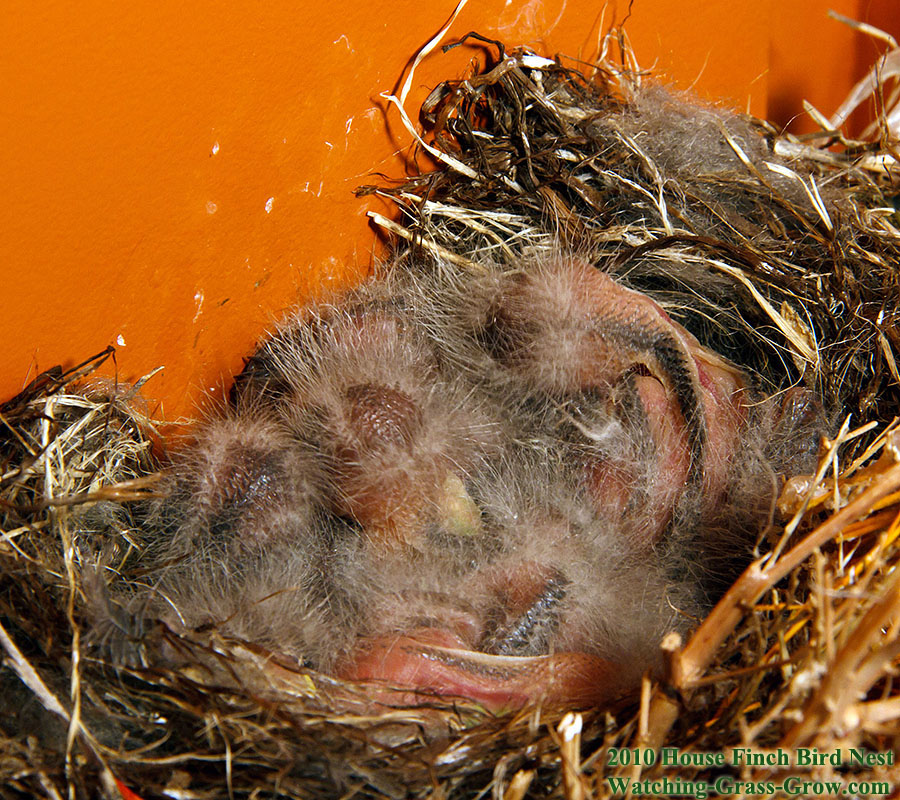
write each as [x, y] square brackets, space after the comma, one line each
[604, 457]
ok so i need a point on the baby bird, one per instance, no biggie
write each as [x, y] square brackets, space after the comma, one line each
[599, 374]
[361, 392]
[501, 487]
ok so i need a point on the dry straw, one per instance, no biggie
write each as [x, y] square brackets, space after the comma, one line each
[792, 243]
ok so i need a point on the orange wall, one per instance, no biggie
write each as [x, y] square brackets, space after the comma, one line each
[815, 58]
[177, 174]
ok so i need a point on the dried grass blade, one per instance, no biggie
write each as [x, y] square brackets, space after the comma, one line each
[762, 574]
[436, 249]
[801, 346]
[847, 680]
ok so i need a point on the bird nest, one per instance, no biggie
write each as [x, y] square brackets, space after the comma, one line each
[779, 253]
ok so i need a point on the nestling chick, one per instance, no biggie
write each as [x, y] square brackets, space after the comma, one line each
[502, 487]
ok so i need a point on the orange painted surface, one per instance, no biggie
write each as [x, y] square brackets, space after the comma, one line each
[818, 59]
[175, 175]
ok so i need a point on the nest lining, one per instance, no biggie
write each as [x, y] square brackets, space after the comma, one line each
[801, 652]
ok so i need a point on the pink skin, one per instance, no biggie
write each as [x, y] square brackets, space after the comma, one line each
[721, 393]
[415, 664]
[377, 427]
[725, 410]
[672, 457]
[594, 332]
[571, 329]
[388, 463]
[428, 662]
[719, 385]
